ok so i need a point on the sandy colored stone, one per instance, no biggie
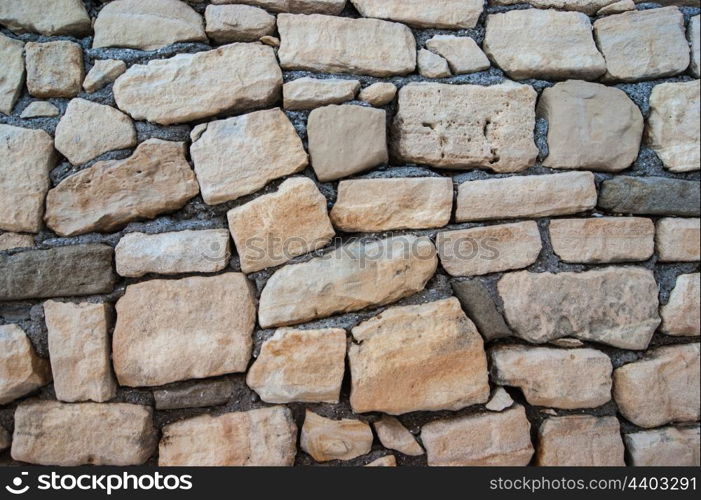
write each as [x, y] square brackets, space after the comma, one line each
[490, 249]
[178, 252]
[304, 366]
[11, 72]
[378, 94]
[26, 158]
[560, 378]
[462, 53]
[326, 439]
[665, 447]
[678, 240]
[496, 439]
[500, 400]
[432, 65]
[662, 387]
[327, 44]
[54, 69]
[693, 33]
[386, 461]
[466, 126]
[155, 179]
[170, 330]
[271, 41]
[345, 140]
[53, 433]
[590, 126]
[587, 6]
[602, 240]
[580, 441]
[674, 125]
[103, 72]
[350, 278]
[480, 307]
[332, 7]
[310, 93]
[265, 437]
[616, 306]
[616, 7]
[21, 370]
[233, 78]
[276, 227]
[650, 196]
[543, 44]
[681, 316]
[194, 394]
[240, 155]
[237, 23]
[428, 357]
[643, 44]
[40, 109]
[533, 196]
[9, 241]
[394, 436]
[57, 17]
[5, 439]
[447, 14]
[374, 205]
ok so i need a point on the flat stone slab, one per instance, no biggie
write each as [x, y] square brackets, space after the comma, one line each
[309, 93]
[58, 17]
[650, 196]
[332, 7]
[194, 394]
[580, 441]
[442, 14]
[665, 447]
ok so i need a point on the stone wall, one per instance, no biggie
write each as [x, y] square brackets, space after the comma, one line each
[379, 232]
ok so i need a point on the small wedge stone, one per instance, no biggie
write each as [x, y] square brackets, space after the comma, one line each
[395, 436]
[616, 7]
[387, 461]
[325, 439]
[481, 308]
[681, 316]
[432, 65]
[378, 94]
[237, 23]
[103, 73]
[665, 447]
[499, 401]
[21, 370]
[462, 53]
[310, 93]
[580, 441]
[54, 69]
[12, 72]
[40, 109]
[677, 240]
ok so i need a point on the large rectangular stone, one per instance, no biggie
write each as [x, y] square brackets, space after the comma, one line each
[445, 14]
[650, 196]
[332, 7]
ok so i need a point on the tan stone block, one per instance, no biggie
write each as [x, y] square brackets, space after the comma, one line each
[447, 14]
[54, 69]
[580, 441]
[9, 241]
[310, 93]
[12, 72]
[237, 23]
[665, 447]
[104, 72]
[21, 370]
[395, 436]
[681, 316]
[462, 53]
[432, 65]
[378, 94]
[325, 439]
[39, 109]
[678, 240]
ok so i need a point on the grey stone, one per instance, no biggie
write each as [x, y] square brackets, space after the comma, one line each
[650, 196]
[480, 308]
[196, 394]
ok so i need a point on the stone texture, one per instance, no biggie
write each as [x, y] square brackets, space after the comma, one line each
[328, 44]
[650, 196]
[496, 439]
[587, 6]
[374, 205]
[265, 438]
[233, 78]
[531, 196]
[665, 447]
[643, 44]
[674, 130]
[379, 94]
[616, 7]
[40, 109]
[332, 7]
[54, 69]
[580, 441]
[386, 461]
[466, 126]
[616, 306]
[79, 348]
[394, 436]
[5, 439]
[179, 252]
[239, 156]
[9, 241]
[446, 14]
[274, 228]
[194, 394]
[480, 307]
[662, 387]
[345, 140]
[103, 72]
[310, 93]
[604, 239]
[590, 126]
[155, 179]
[11, 73]
[170, 330]
[418, 358]
[325, 439]
[237, 23]
[559, 378]
[694, 35]
[21, 370]
[490, 249]
[304, 366]
[677, 240]
[499, 401]
[53, 433]
[349, 278]
[681, 316]
[57, 272]
[543, 44]
[26, 158]
[432, 65]
[58, 17]
[462, 53]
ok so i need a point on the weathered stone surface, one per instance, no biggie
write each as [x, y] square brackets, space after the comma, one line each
[187, 87]
[462, 53]
[432, 65]
[674, 130]
[194, 394]
[378, 94]
[57, 272]
[304, 366]
[395, 436]
[681, 316]
[37, 109]
[79, 348]
[53, 433]
[350, 278]
[559, 378]
[666, 447]
[490, 249]
[21, 370]
[104, 72]
[310, 93]
[678, 240]
[332, 7]
[342, 45]
[325, 439]
[616, 7]
[264, 437]
[661, 388]
[694, 35]
[643, 44]
[481, 308]
[170, 330]
[531, 196]
[237, 23]
[466, 126]
[650, 196]
[544, 44]
[108, 195]
[11, 73]
[54, 69]
[373, 205]
[580, 441]
[615, 305]
[274, 228]
[587, 6]
[601, 240]
[418, 358]
[5, 439]
[590, 126]
[386, 461]
[179, 252]
[8, 241]
[58, 17]
[499, 439]
[448, 14]
[500, 400]
[26, 158]
[240, 155]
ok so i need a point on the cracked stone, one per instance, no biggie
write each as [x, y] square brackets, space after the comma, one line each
[432, 65]
[462, 53]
